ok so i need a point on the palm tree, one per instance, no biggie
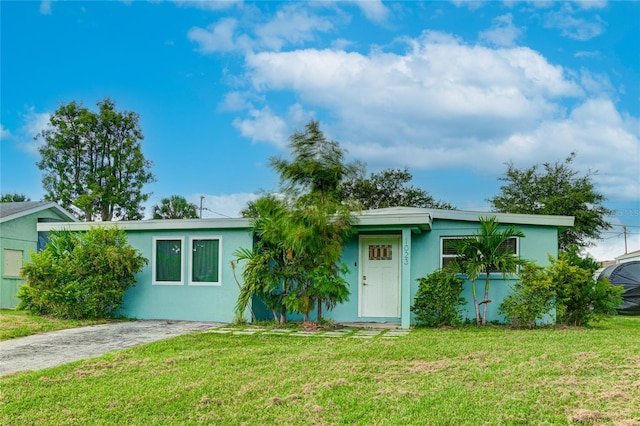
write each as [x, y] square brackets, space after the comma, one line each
[175, 207]
[486, 252]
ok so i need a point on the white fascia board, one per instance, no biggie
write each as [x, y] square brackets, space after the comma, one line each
[151, 225]
[505, 218]
[40, 208]
[421, 220]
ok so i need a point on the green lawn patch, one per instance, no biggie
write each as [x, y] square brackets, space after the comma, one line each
[21, 323]
[490, 375]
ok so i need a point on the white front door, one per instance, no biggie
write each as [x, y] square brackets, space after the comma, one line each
[380, 276]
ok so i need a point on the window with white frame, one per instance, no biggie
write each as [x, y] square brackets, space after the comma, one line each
[204, 260]
[11, 263]
[168, 260]
[448, 249]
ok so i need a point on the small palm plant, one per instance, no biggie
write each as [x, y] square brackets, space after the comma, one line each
[483, 253]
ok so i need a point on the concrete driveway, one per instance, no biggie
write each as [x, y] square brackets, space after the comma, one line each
[60, 347]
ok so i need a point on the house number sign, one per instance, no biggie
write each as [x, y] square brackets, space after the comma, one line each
[405, 250]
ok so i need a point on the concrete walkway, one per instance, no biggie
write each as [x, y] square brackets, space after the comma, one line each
[55, 348]
[60, 347]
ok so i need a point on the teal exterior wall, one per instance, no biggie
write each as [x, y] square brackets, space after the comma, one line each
[186, 302]
[419, 254]
[424, 254]
[539, 242]
[19, 234]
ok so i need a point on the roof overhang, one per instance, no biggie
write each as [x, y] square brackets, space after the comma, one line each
[38, 207]
[425, 217]
[505, 218]
[416, 219]
[392, 219]
[151, 225]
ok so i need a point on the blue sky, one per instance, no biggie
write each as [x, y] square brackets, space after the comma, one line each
[451, 90]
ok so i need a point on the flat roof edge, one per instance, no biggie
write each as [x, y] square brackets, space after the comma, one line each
[151, 225]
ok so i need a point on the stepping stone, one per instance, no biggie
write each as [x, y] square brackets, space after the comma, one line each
[245, 332]
[305, 333]
[219, 331]
[334, 334]
[368, 332]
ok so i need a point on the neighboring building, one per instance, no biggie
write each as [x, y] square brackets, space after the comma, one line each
[629, 257]
[19, 236]
[190, 274]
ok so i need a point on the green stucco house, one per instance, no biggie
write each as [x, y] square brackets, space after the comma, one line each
[19, 236]
[190, 277]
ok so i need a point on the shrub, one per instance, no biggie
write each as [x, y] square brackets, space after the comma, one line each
[532, 298]
[80, 276]
[438, 301]
[580, 298]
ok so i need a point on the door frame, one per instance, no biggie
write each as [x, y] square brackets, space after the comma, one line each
[396, 240]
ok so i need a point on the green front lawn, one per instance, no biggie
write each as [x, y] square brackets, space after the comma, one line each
[472, 376]
[20, 323]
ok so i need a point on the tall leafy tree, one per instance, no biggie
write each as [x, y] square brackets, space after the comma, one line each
[92, 162]
[296, 262]
[175, 207]
[14, 198]
[389, 188]
[485, 252]
[555, 189]
[318, 165]
[314, 176]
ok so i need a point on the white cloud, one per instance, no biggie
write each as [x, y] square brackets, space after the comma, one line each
[573, 27]
[33, 123]
[235, 101]
[208, 4]
[291, 25]
[229, 205]
[4, 133]
[596, 84]
[587, 54]
[612, 243]
[424, 94]
[591, 4]
[469, 4]
[220, 37]
[502, 32]
[446, 104]
[263, 126]
[374, 10]
[601, 137]
[45, 7]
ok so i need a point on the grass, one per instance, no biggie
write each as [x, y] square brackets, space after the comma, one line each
[473, 376]
[20, 323]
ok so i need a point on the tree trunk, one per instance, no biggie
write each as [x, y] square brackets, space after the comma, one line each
[485, 301]
[319, 319]
[475, 301]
